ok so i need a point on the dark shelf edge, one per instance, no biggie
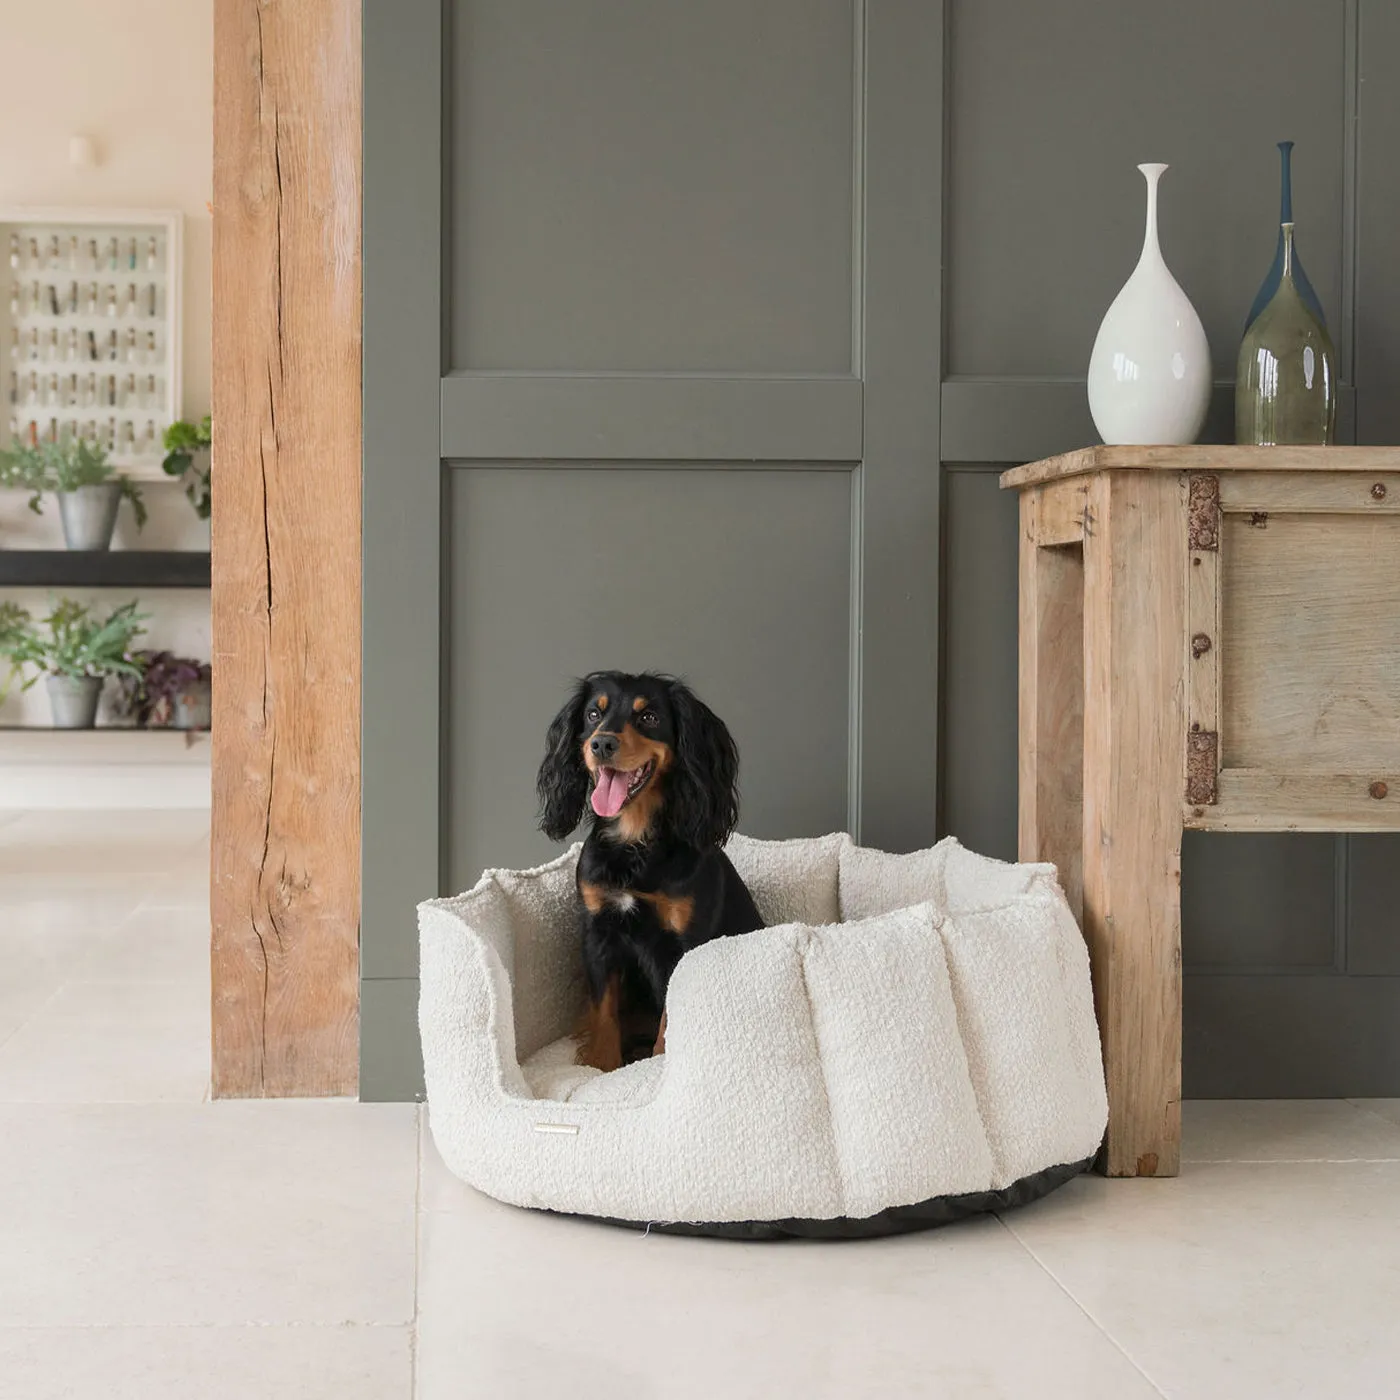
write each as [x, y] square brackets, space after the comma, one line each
[122, 568]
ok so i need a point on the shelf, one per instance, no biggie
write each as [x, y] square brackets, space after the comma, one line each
[119, 568]
[106, 743]
[148, 473]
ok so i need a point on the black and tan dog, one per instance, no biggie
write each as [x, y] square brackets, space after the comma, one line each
[660, 773]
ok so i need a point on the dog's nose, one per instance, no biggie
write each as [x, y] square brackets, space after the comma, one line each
[604, 747]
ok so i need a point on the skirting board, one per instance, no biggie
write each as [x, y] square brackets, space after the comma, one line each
[56, 769]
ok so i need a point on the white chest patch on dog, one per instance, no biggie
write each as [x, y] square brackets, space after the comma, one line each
[624, 900]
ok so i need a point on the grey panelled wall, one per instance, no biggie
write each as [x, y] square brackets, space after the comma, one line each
[685, 416]
[652, 187]
[981, 531]
[667, 362]
[1375, 294]
[1289, 942]
[637, 547]
[1045, 215]
[403, 358]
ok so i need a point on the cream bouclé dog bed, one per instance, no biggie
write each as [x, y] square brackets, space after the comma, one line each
[911, 1039]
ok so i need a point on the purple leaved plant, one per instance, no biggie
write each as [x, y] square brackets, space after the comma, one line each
[164, 679]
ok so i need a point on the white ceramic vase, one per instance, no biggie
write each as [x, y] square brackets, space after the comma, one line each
[1149, 375]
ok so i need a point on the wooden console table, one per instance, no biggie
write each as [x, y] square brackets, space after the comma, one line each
[1209, 638]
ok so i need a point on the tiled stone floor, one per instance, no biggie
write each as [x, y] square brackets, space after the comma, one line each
[153, 1244]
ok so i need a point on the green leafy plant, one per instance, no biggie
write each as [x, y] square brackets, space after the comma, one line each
[71, 641]
[24, 468]
[182, 441]
[64, 466]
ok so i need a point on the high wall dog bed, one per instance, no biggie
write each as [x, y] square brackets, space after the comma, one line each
[912, 1040]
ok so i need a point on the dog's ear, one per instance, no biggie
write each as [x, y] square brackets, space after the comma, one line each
[562, 783]
[703, 786]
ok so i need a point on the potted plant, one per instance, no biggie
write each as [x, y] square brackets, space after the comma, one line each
[74, 650]
[88, 487]
[168, 690]
[187, 456]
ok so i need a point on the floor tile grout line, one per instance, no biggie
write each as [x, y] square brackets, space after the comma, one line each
[184, 1101]
[345, 1325]
[188, 982]
[1362, 1106]
[1084, 1312]
[1287, 1161]
[142, 907]
[25, 1020]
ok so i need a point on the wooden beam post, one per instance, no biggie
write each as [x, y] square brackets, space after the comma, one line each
[286, 547]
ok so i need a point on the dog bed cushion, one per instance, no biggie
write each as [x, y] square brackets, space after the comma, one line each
[911, 1039]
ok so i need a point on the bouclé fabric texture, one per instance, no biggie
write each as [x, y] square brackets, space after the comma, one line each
[908, 1027]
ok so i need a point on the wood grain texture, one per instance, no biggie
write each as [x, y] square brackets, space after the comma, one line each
[1062, 512]
[1252, 800]
[1134, 743]
[1203, 640]
[1205, 458]
[1318, 493]
[1267, 640]
[286, 547]
[1310, 671]
[1051, 754]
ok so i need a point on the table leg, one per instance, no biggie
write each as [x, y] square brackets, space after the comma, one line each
[1135, 552]
[1051, 780]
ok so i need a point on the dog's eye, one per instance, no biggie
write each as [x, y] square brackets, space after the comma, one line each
[593, 715]
[649, 718]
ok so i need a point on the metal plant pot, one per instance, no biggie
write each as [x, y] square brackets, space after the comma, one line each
[89, 515]
[74, 700]
[191, 709]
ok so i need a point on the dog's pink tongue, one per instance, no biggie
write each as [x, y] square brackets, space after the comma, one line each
[610, 792]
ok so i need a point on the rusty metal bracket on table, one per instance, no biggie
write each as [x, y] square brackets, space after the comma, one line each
[1202, 766]
[1203, 512]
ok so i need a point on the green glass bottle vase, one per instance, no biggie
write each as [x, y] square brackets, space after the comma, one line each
[1286, 378]
[1270, 284]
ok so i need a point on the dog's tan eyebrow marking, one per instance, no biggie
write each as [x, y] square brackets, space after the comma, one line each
[601, 702]
[639, 704]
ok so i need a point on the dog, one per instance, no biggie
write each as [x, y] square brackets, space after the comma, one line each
[659, 773]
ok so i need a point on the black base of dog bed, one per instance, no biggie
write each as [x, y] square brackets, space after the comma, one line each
[897, 1220]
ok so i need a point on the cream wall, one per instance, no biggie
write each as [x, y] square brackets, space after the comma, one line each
[136, 76]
